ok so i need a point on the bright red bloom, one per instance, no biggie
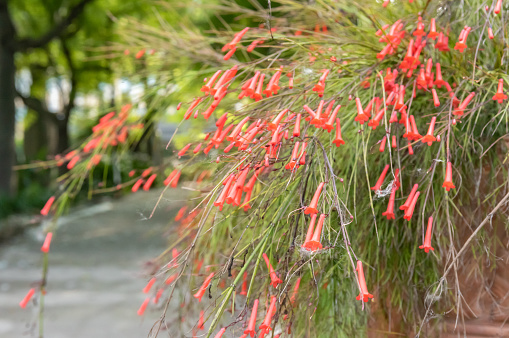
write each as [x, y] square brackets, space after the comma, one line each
[314, 244]
[361, 117]
[381, 179]
[429, 138]
[312, 208]
[45, 210]
[27, 298]
[339, 139]
[498, 7]
[275, 123]
[490, 33]
[296, 129]
[433, 30]
[500, 96]
[137, 185]
[243, 292]
[382, 144]
[47, 242]
[198, 295]
[273, 277]
[229, 54]
[448, 185]
[265, 327]
[409, 198]
[220, 333]
[364, 295]
[410, 211]
[149, 182]
[143, 306]
[151, 282]
[463, 105]
[436, 101]
[252, 320]
[390, 207]
[427, 239]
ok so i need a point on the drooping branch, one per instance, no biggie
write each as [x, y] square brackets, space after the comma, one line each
[56, 31]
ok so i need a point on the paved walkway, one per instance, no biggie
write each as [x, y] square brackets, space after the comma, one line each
[97, 260]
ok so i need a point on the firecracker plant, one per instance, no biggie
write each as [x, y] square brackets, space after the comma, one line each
[344, 157]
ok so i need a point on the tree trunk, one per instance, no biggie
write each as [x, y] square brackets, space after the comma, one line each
[7, 93]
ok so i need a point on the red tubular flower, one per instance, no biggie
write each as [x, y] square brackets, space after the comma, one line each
[140, 54]
[149, 182]
[243, 292]
[252, 86]
[296, 129]
[364, 295]
[381, 179]
[182, 152]
[390, 207]
[151, 282]
[314, 244]
[394, 144]
[29, 295]
[433, 30]
[400, 104]
[137, 185]
[295, 289]
[361, 117]
[229, 54]
[143, 307]
[463, 105]
[409, 198]
[265, 327]
[448, 185]
[73, 162]
[273, 277]
[382, 144]
[252, 320]
[206, 88]
[498, 7]
[233, 136]
[198, 295]
[378, 117]
[201, 321]
[47, 242]
[330, 122]
[461, 45]
[420, 28]
[45, 210]
[275, 123]
[410, 211]
[180, 213]
[312, 208]
[427, 239]
[429, 138]
[339, 139]
[500, 96]
[490, 33]
[221, 121]
[293, 158]
[197, 148]
[436, 102]
[415, 132]
[220, 333]
[257, 95]
[311, 227]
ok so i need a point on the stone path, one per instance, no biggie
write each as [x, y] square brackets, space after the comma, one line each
[95, 279]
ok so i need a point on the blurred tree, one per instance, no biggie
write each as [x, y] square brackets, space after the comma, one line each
[54, 40]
